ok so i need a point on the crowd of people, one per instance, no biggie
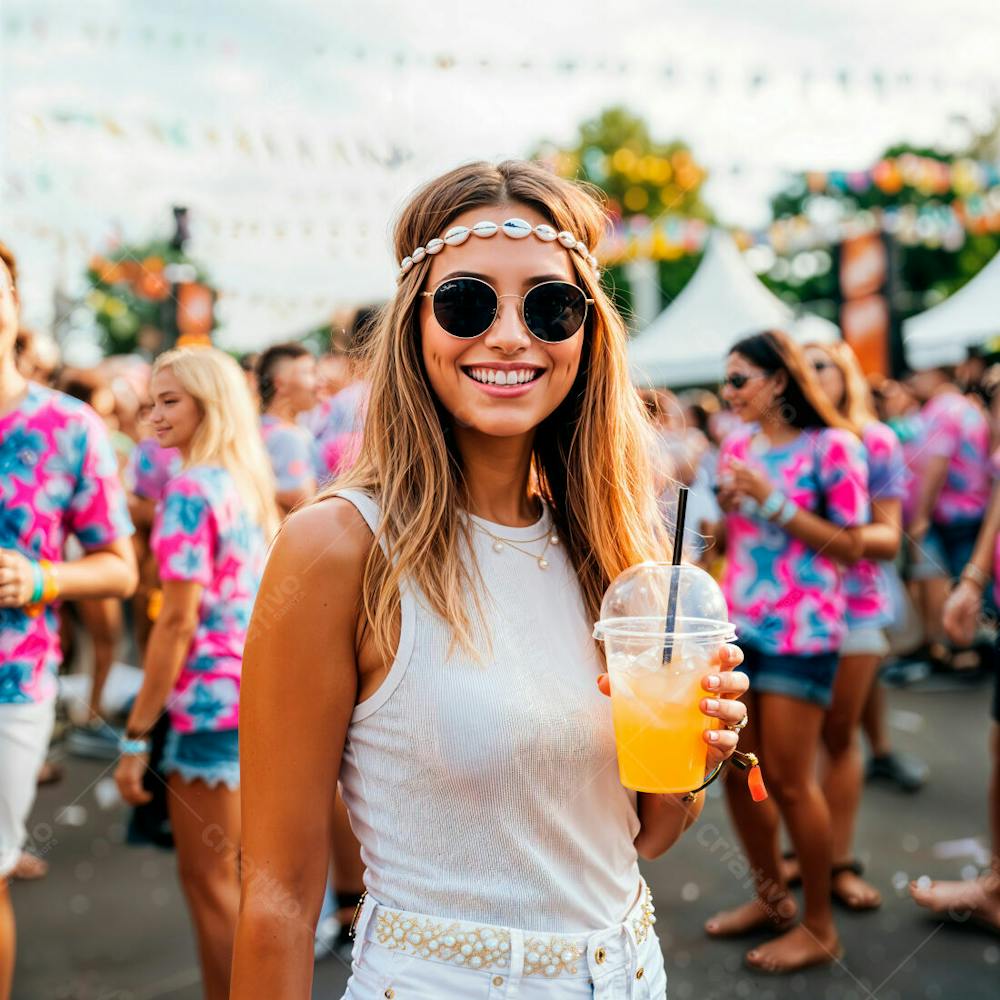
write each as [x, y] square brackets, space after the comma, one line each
[361, 588]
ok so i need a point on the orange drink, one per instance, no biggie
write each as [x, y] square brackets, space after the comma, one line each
[662, 626]
[659, 724]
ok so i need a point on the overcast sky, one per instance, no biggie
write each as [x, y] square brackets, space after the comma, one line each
[294, 129]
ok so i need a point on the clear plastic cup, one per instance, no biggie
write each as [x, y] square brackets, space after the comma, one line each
[656, 668]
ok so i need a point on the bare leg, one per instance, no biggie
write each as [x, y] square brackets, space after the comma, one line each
[102, 618]
[756, 824]
[348, 869]
[844, 773]
[790, 730]
[936, 592]
[979, 898]
[873, 721]
[8, 940]
[206, 825]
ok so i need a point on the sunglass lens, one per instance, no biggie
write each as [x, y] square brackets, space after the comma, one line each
[465, 307]
[554, 310]
[736, 381]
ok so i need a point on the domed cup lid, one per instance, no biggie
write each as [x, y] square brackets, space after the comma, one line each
[638, 603]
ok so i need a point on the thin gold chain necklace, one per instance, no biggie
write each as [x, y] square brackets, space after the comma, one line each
[500, 543]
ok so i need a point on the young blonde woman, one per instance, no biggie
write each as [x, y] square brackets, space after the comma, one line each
[208, 537]
[869, 611]
[438, 657]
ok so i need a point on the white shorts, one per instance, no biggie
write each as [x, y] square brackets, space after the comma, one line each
[410, 956]
[25, 731]
[864, 640]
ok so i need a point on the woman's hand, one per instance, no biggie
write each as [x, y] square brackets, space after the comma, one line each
[17, 582]
[747, 482]
[128, 776]
[725, 687]
[961, 613]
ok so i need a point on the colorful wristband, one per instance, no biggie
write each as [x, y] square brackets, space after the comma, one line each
[772, 505]
[132, 748]
[51, 588]
[788, 511]
[38, 578]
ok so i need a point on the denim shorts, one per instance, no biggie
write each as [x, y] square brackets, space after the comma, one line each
[945, 550]
[212, 757]
[808, 678]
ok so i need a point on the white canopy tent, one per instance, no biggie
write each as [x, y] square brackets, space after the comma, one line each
[688, 342]
[971, 316]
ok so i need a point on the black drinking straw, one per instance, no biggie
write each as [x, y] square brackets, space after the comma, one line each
[682, 502]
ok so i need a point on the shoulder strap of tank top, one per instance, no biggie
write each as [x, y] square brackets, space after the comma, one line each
[368, 508]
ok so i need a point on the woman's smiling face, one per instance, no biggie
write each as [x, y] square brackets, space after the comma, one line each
[505, 382]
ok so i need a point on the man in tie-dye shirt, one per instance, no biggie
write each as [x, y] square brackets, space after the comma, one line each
[58, 477]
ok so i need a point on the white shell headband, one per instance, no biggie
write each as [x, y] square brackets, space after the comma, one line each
[516, 229]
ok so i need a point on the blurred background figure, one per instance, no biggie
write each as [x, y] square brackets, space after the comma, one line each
[286, 381]
[954, 488]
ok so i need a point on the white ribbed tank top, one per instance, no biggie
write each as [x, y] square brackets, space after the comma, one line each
[489, 791]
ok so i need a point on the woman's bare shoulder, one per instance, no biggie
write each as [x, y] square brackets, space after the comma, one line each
[329, 535]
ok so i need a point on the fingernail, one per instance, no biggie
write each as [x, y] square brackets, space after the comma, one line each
[713, 736]
[712, 682]
[711, 704]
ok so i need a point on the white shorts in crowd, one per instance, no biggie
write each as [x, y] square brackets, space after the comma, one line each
[25, 731]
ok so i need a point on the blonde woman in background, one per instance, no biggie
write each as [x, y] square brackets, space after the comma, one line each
[209, 536]
[869, 612]
[440, 663]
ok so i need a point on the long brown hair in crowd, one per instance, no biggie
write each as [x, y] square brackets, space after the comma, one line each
[803, 402]
[591, 456]
[857, 406]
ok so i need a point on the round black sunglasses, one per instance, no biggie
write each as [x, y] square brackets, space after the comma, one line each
[552, 311]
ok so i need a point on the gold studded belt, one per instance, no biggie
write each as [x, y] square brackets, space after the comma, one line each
[487, 948]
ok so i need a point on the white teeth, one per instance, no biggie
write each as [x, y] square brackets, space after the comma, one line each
[491, 376]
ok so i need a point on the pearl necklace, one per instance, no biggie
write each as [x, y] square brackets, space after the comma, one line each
[500, 543]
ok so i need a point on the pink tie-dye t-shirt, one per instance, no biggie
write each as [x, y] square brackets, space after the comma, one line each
[866, 582]
[149, 469]
[58, 477]
[203, 533]
[784, 597]
[955, 428]
[292, 451]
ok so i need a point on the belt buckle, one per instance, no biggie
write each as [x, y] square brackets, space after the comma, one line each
[357, 913]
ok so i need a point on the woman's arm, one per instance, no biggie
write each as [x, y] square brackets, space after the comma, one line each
[882, 537]
[299, 690]
[168, 647]
[834, 540]
[108, 571]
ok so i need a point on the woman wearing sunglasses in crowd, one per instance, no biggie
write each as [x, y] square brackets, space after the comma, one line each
[208, 538]
[869, 612]
[438, 657]
[793, 486]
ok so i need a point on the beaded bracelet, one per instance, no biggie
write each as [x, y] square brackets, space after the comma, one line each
[973, 574]
[772, 505]
[132, 748]
[788, 511]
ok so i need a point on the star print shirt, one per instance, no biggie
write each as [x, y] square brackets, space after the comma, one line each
[58, 477]
[866, 583]
[203, 533]
[149, 468]
[292, 451]
[784, 597]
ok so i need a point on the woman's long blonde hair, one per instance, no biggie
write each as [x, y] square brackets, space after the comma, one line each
[857, 405]
[591, 456]
[227, 433]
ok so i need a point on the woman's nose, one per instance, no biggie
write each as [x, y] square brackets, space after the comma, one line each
[508, 334]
